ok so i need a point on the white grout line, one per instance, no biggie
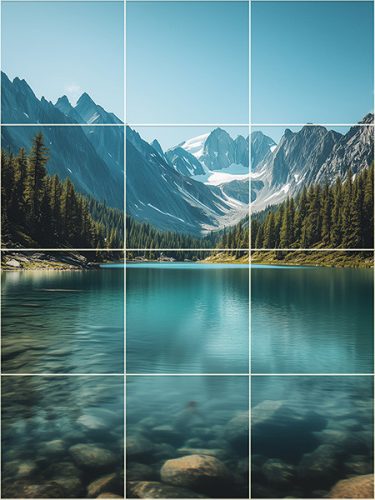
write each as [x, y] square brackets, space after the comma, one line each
[124, 243]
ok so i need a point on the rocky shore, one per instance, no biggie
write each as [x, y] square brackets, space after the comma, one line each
[40, 261]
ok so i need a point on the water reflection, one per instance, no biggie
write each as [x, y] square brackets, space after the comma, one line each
[63, 322]
[312, 320]
[185, 319]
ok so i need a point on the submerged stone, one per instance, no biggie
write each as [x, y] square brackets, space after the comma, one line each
[155, 489]
[139, 446]
[355, 487]
[91, 456]
[105, 483]
[201, 473]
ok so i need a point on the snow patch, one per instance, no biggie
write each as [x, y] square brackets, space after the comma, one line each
[165, 213]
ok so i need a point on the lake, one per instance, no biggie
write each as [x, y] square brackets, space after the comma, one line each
[187, 318]
[187, 416]
[311, 320]
[308, 433]
[60, 434]
[63, 321]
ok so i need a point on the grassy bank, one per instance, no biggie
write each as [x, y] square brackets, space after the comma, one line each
[226, 258]
[319, 258]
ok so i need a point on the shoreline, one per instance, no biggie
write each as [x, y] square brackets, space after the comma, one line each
[73, 261]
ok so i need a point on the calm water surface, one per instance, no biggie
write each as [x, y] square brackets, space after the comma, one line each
[63, 321]
[185, 318]
[311, 320]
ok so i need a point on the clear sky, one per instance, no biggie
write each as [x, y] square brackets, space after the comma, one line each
[66, 48]
[312, 61]
[187, 62]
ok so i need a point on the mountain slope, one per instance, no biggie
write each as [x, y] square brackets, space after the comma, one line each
[91, 156]
[311, 155]
[161, 196]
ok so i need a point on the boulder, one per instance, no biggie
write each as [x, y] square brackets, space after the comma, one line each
[91, 456]
[355, 487]
[278, 472]
[265, 411]
[104, 483]
[140, 472]
[139, 447]
[237, 432]
[202, 473]
[155, 489]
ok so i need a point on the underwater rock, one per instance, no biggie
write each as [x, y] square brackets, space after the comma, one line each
[25, 490]
[108, 495]
[137, 446]
[355, 487]
[140, 472]
[91, 456]
[201, 473]
[92, 422]
[358, 465]
[54, 447]
[66, 474]
[72, 486]
[19, 469]
[201, 451]
[194, 443]
[320, 465]
[164, 450]
[155, 489]
[278, 472]
[237, 432]
[348, 441]
[265, 411]
[104, 483]
[166, 434]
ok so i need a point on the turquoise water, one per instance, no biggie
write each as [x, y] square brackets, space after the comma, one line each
[171, 417]
[311, 320]
[63, 321]
[308, 433]
[59, 434]
[184, 318]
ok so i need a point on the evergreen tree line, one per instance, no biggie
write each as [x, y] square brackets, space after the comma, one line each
[329, 216]
[42, 210]
[143, 235]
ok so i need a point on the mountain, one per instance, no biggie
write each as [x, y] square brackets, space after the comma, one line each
[311, 155]
[159, 194]
[217, 150]
[184, 162]
[261, 147]
[93, 157]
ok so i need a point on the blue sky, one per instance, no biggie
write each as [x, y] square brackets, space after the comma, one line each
[312, 61]
[66, 48]
[187, 62]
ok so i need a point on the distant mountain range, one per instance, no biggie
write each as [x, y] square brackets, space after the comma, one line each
[201, 184]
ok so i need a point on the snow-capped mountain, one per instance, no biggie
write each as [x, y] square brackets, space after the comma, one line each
[197, 186]
[159, 194]
[313, 154]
